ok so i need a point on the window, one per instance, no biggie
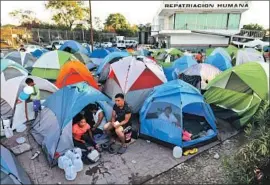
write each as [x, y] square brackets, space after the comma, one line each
[234, 20]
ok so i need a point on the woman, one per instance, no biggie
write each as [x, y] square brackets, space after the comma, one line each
[82, 136]
[99, 119]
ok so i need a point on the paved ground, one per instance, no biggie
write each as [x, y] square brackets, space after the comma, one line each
[142, 162]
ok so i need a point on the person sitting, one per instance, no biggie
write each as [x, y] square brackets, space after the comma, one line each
[120, 121]
[168, 116]
[99, 119]
[82, 136]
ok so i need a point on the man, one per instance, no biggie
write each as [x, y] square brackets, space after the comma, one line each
[35, 96]
[168, 116]
[199, 57]
[120, 121]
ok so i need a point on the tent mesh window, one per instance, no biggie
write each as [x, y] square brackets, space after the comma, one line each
[237, 84]
[6, 110]
[11, 72]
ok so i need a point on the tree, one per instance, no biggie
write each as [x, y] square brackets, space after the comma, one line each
[67, 12]
[116, 21]
[24, 16]
[98, 23]
[253, 27]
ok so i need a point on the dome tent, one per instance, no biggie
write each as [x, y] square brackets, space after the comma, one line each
[39, 52]
[182, 64]
[73, 47]
[104, 67]
[73, 72]
[237, 93]
[244, 56]
[113, 49]
[11, 69]
[53, 127]
[135, 77]
[86, 60]
[49, 64]
[10, 91]
[24, 59]
[98, 55]
[189, 108]
[223, 52]
[219, 61]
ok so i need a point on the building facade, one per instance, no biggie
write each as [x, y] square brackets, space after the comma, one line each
[197, 24]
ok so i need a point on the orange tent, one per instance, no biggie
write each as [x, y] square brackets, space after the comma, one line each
[73, 72]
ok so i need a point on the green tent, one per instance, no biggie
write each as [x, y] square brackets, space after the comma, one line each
[159, 55]
[236, 94]
[49, 64]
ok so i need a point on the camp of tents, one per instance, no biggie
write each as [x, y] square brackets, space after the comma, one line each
[230, 84]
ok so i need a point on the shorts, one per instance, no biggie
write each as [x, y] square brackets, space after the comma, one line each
[36, 105]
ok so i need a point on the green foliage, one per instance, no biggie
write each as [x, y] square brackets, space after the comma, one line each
[253, 27]
[240, 167]
[24, 16]
[67, 12]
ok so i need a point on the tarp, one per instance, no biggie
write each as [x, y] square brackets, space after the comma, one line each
[244, 56]
[11, 170]
[240, 90]
[219, 61]
[53, 128]
[74, 47]
[182, 64]
[73, 72]
[182, 98]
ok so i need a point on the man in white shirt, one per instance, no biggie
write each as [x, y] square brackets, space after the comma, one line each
[168, 116]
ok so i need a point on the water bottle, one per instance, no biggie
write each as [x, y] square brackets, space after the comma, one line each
[75, 156]
[69, 154]
[78, 164]
[177, 152]
[66, 163]
[78, 151]
[61, 161]
[70, 172]
[8, 132]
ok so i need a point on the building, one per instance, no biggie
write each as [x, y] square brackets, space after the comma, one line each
[197, 24]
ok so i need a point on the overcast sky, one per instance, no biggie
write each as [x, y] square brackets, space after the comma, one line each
[136, 12]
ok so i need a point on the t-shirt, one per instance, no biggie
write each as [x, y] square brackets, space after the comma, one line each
[121, 113]
[103, 121]
[171, 118]
[78, 131]
[199, 57]
[36, 94]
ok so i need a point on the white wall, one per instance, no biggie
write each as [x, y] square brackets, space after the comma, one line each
[198, 40]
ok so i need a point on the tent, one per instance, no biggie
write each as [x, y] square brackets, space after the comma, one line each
[143, 52]
[98, 55]
[206, 72]
[172, 55]
[11, 170]
[104, 67]
[188, 107]
[24, 59]
[53, 127]
[86, 60]
[73, 72]
[72, 46]
[113, 49]
[244, 56]
[182, 64]
[11, 69]
[10, 90]
[160, 55]
[237, 92]
[219, 61]
[135, 77]
[39, 52]
[223, 52]
[49, 64]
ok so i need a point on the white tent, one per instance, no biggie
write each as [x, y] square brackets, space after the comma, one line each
[10, 91]
[244, 56]
[24, 59]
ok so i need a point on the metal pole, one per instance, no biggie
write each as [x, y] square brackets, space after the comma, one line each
[49, 33]
[38, 38]
[91, 26]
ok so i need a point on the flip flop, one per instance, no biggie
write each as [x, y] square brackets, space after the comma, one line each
[122, 150]
[112, 149]
[193, 151]
[107, 145]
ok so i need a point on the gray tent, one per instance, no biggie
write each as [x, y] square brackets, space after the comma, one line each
[11, 171]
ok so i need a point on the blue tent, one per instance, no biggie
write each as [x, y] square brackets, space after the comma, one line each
[112, 49]
[98, 55]
[74, 46]
[182, 64]
[219, 61]
[11, 171]
[188, 107]
[38, 52]
[110, 58]
[168, 70]
[53, 127]
[223, 52]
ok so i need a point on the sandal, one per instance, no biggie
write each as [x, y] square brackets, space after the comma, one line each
[191, 151]
[122, 149]
[107, 145]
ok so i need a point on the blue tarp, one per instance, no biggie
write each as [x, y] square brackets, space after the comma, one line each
[38, 52]
[219, 61]
[109, 58]
[70, 100]
[99, 53]
[182, 64]
[112, 49]
[75, 47]
[183, 98]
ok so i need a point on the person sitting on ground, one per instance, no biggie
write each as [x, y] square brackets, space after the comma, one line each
[35, 96]
[120, 121]
[82, 136]
[168, 116]
[99, 119]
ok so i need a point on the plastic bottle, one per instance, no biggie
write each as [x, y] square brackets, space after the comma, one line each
[69, 154]
[66, 163]
[75, 156]
[78, 151]
[8, 132]
[177, 152]
[61, 161]
[78, 164]
[70, 172]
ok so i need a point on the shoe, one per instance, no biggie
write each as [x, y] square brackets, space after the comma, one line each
[122, 150]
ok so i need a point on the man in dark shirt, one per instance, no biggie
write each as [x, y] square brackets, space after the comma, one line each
[120, 120]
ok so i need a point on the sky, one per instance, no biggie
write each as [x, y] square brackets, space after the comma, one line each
[136, 12]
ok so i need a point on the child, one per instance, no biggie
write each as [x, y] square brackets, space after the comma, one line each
[99, 119]
[35, 96]
[82, 136]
